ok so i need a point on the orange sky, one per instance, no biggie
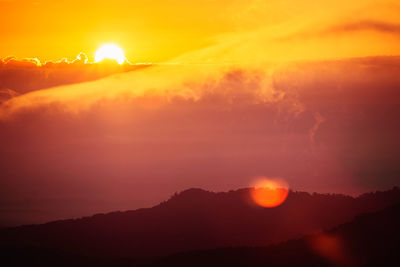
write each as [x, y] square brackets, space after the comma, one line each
[156, 31]
[148, 30]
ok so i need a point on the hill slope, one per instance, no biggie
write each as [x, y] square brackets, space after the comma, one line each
[370, 240]
[194, 220]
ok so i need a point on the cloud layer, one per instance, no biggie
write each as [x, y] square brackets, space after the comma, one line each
[130, 140]
[19, 76]
[213, 118]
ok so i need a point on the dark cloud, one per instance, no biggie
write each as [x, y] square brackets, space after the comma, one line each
[371, 25]
[29, 74]
[350, 27]
[358, 101]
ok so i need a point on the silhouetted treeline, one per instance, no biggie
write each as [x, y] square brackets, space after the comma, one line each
[195, 220]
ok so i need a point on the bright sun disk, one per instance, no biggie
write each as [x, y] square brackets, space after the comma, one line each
[110, 51]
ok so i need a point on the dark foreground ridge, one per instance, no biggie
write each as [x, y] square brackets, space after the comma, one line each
[370, 240]
[200, 220]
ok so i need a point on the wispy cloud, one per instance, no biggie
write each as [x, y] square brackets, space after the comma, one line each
[346, 28]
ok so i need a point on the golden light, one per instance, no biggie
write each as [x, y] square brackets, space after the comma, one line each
[269, 192]
[110, 51]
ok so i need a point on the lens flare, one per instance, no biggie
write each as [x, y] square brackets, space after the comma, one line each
[330, 247]
[110, 51]
[269, 192]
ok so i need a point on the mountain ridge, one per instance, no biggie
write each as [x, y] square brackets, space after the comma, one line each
[357, 244]
[197, 219]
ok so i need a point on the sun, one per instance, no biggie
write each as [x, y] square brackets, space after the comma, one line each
[269, 192]
[110, 51]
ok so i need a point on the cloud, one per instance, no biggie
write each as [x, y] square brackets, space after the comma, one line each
[29, 74]
[131, 139]
[212, 118]
[26, 62]
[347, 28]
[6, 94]
[379, 26]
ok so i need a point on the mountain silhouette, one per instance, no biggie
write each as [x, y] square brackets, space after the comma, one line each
[194, 220]
[369, 240]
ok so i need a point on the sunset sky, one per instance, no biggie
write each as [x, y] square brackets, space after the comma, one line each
[159, 30]
[214, 94]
